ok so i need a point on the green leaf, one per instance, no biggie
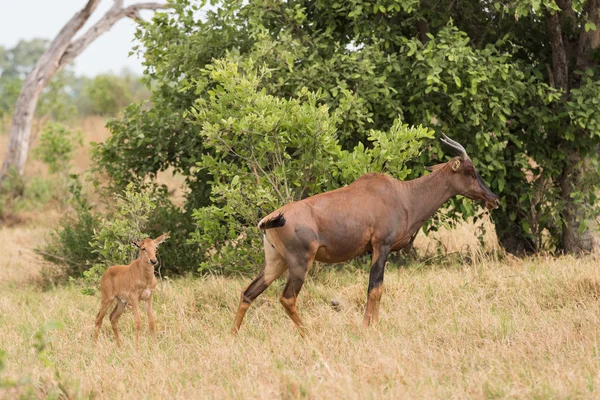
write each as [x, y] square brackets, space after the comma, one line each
[590, 26]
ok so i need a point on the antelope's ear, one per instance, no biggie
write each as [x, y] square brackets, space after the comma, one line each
[161, 238]
[456, 165]
[135, 244]
[435, 167]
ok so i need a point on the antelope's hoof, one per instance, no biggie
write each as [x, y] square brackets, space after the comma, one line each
[336, 305]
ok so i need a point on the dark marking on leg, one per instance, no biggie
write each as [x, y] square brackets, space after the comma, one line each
[297, 274]
[249, 294]
[274, 267]
[375, 284]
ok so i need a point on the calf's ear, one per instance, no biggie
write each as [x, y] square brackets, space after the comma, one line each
[161, 238]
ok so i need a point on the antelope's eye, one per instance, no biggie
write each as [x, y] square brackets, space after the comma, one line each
[143, 249]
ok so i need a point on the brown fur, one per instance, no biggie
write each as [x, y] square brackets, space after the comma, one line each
[375, 213]
[130, 284]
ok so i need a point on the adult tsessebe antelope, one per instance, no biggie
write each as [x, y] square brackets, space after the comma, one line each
[130, 284]
[376, 213]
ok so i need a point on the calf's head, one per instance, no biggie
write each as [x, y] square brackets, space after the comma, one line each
[464, 178]
[149, 247]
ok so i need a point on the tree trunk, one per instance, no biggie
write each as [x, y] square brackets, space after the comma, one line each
[20, 127]
[573, 241]
[61, 51]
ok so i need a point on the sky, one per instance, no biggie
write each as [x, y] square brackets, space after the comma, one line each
[28, 19]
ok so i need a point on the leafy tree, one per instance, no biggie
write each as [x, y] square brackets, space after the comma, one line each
[15, 64]
[56, 101]
[59, 53]
[494, 76]
[57, 147]
[20, 60]
[268, 151]
[107, 94]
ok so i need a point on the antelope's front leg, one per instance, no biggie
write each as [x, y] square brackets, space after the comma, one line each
[375, 290]
[151, 316]
[135, 304]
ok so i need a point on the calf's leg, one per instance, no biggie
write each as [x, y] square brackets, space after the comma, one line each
[100, 316]
[114, 318]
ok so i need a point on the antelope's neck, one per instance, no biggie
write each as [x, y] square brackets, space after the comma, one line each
[145, 269]
[423, 196]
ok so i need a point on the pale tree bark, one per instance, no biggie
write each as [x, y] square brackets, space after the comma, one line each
[61, 51]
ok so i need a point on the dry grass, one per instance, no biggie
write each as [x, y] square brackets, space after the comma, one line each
[483, 329]
[490, 329]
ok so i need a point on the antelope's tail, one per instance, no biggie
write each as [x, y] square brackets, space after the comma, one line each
[272, 221]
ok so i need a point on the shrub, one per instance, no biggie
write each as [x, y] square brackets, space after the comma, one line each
[264, 151]
[87, 242]
[18, 194]
[111, 242]
[70, 244]
[57, 147]
[107, 94]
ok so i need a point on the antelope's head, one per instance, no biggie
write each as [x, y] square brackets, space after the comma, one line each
[149, 247]
[464, 178]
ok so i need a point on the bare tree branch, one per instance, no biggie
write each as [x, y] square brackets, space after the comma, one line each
[111, 17]
[61, 51]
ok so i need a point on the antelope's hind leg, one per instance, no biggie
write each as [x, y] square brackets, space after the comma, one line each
[298, 268]
[106, 302]
[114, 318]
[274, 266]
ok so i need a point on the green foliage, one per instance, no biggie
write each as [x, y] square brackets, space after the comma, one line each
[18, 194]
[57, 146]
[70, 244]
[474, 71]
[58, 102]
[177, 256]
[67, 94]
[84, 242]
[107, 94]
[111, 242]
[61, 389]
[266, 151]
[9, 90]
[20, 60]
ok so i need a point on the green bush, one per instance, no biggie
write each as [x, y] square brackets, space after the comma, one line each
[264, 152]
[57, 147]
[19, 194]
[177, 256]
[87, 241]
[111, 241]
[70, 244]
[106, 95]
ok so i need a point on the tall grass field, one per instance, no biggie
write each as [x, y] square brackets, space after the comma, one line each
[463, 325]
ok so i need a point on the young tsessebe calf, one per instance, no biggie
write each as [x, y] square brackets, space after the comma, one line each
[376, 214]
[130, 284]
